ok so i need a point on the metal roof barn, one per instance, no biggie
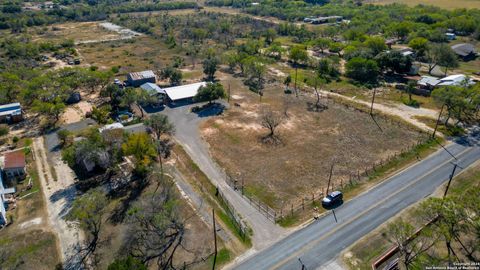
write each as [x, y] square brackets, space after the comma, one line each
[183, 91]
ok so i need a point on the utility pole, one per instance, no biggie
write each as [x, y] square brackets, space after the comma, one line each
[296, 70]
[228, 92]
[215, 238]
[373, 100]
[438, 120]
[329, 178]
[450, 180]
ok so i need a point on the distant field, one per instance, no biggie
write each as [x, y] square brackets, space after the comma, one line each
[440, 3]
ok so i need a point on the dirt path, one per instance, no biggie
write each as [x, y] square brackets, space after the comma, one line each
[59, 195]
[405, 112]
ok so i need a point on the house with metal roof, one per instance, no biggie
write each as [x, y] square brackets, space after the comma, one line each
[11, 113]
[465, 51]
[136, 79]
[183, 92]
[428, 82]
[455, 80]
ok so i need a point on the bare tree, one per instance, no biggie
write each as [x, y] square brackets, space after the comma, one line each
[156, 231]
[88, 210]
[271, 121]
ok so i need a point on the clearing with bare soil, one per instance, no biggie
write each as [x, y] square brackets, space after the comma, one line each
[311, 142]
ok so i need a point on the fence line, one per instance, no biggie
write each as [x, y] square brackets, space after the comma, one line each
[312, 200]
[239, 224]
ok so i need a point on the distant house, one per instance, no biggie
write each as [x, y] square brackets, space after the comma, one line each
[407, 52]
[455, 80]
[465, 51]
[328, 19]
[11, 113]
[450, 36]
[183, 92]
[14, 164]
[428, 82]
[3, 201]
[136, 79]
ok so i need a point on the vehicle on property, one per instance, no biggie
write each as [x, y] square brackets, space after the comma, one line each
[332, 198]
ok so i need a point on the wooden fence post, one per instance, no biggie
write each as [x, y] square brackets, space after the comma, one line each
[291, 209]
[303, 204]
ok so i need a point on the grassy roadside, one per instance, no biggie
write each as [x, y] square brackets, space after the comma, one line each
[207, 190]
[361, 254]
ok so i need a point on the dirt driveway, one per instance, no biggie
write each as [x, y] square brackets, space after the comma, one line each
[60, 195]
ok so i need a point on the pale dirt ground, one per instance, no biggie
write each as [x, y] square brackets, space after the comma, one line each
[76, 112]
[68, 235]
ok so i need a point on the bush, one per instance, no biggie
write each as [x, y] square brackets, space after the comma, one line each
[4, 129]
[15, 139]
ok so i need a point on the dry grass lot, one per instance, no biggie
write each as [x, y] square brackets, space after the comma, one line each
[130, 55]
[439, 3]
[277, 175]
[77, 31]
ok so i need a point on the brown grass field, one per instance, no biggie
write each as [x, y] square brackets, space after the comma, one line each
[439, 3]
[311, 142]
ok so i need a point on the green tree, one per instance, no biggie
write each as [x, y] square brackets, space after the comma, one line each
[419, 45]
[440, 54]
[210, 92]
[362, 70]
[210, 66]
[64, 135]
[297, 55]
[128, 263]
[376, 44]
[52, 109]
[141, 147]
[160, 127]
[336, 47]
[322, 44]
[270, 35]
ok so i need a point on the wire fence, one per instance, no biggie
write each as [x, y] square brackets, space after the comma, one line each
[237, 221]
[310, 201]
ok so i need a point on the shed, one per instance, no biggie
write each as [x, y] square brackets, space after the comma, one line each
[183, 92]
[151, 87]
[136, 79]
[466, 51]
[11, 113]
[14, 164]
[428, 82]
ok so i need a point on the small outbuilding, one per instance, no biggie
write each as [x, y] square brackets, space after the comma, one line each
[465, 51]
[11, 113]
[428, 82]
[14, 164]
[136, 79]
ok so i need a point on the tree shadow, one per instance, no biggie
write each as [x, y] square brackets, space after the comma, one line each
[132, 192]
[210, 109]
[68, 194]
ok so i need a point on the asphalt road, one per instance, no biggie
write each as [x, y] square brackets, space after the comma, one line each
[323, 240]
[187, 134]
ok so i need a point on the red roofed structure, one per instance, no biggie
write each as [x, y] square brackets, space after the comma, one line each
[14, 163]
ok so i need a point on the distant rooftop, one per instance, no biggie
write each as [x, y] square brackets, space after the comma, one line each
[142, 75]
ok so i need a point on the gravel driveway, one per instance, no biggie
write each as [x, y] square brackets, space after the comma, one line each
[187, 134]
